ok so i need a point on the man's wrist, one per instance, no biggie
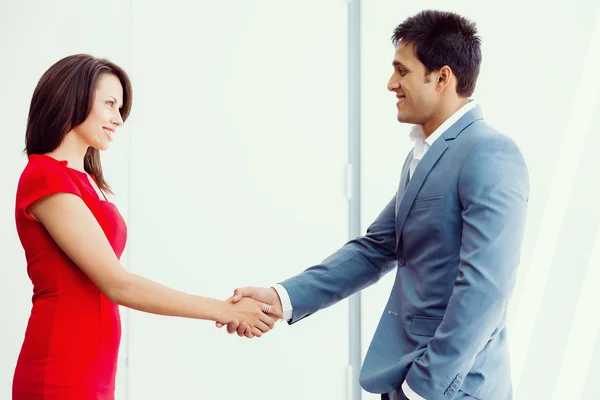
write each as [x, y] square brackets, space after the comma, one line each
[286, 303]
[279, 305]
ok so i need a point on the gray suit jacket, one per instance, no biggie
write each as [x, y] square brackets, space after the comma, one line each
[454, 232]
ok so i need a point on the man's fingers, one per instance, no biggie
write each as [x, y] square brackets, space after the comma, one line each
[232, 327]
[219, 325]
[242, 329]
[240, 293]
[248, 333]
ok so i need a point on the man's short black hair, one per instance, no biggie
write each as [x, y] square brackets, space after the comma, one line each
[444, 38]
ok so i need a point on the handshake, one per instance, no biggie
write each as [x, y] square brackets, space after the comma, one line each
[251, 311]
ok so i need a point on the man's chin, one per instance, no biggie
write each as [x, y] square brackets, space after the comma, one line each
[404, 119]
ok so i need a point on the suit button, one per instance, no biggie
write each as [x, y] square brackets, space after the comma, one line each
[459, 376]
[401, 262]
[447, 394]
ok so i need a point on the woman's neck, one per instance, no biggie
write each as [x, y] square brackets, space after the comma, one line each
[71, 150]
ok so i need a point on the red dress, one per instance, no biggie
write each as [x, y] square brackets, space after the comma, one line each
[72, 339]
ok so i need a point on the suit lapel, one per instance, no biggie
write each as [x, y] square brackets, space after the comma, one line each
[404, 179]
[406, 197]
[415, 183]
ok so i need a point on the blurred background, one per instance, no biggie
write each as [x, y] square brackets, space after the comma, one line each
[233, 170]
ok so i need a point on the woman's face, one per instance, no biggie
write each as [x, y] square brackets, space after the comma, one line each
[100, 126]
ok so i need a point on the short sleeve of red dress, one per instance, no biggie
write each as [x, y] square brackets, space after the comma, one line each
[43, 179]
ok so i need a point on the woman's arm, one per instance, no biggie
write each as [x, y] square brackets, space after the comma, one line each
[76, 231]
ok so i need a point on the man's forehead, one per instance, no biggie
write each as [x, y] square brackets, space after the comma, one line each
[404, 52]
[404, 47]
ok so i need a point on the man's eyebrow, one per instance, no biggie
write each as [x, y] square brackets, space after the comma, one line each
[397, 63]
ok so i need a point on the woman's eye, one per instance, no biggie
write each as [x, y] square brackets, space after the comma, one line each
[110, 103]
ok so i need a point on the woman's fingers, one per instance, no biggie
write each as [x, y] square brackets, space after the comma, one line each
[265, 318]
[256, 332]
[264, 328]
[255, 323]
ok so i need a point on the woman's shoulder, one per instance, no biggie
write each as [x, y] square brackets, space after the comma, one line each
[41, 168]
[45, 174]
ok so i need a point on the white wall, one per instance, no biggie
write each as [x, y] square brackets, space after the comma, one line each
[537, 84]
[229, 173]
[237, 179]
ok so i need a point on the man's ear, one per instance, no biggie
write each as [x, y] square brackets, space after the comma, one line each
[444, 76]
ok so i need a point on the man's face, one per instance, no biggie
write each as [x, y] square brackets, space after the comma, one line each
[415, 90]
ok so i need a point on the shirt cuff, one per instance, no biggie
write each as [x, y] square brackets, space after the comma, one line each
[286, 303]
[409, 393]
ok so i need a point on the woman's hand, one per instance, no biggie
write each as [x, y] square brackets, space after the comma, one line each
[251, 313]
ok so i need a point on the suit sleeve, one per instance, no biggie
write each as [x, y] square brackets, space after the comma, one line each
[358, 264]
[493, 191]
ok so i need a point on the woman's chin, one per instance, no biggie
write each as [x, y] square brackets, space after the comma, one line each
[101, 146]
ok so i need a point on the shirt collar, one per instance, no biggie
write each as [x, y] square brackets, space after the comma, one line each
[418, 135]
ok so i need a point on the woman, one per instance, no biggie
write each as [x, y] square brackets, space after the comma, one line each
[73, 238]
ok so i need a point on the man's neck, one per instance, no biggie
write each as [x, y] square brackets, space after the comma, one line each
[442, 115]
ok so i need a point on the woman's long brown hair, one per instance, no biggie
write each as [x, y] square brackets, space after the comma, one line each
[63, 99]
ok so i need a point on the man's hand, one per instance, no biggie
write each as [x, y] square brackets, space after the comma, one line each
[264, 295]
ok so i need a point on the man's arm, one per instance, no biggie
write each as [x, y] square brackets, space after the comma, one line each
[358, 264]
[493, 190]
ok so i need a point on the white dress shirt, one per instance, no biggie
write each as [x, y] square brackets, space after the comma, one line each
[421, 145]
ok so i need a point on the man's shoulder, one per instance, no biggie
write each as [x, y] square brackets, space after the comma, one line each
[481, 130]
[482, 134]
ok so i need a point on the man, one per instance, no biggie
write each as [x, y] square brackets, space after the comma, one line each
[453, 230]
